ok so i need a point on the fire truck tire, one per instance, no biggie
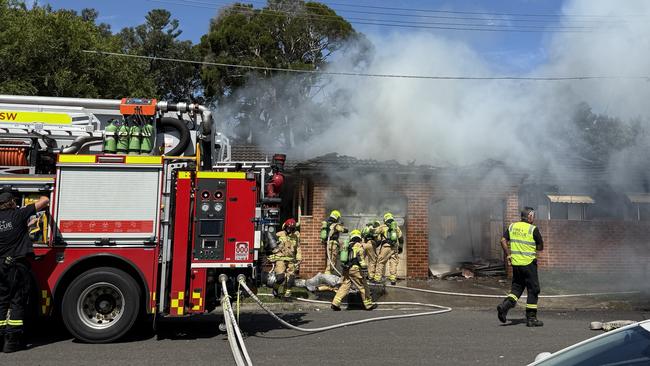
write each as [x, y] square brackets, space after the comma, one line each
[101, 305]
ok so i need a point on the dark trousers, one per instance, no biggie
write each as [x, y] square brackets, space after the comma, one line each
[525, 277]
[14, 292]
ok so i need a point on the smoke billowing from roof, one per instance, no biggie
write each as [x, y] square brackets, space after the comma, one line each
[461, 122]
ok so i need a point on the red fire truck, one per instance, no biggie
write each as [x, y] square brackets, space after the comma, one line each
[147, 208]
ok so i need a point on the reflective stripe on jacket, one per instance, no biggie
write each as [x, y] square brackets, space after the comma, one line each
[358, 255]
[288, 248]
[523, 249]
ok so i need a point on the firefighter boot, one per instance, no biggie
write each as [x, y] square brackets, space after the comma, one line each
[275, 292]
[503, 308]
[12, 342]
[335, 307]
[531, 319]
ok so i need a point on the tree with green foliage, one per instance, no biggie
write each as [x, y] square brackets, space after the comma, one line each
[597, 136]
[284, 34]
[158, 37]
[41, 53]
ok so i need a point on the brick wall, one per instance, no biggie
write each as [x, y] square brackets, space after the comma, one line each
[615, 247]
[418, 195]
[313, 251]
[512, 214]
[513, 211]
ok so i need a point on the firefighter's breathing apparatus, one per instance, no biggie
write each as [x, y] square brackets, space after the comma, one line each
[344, 253]
[324, 231]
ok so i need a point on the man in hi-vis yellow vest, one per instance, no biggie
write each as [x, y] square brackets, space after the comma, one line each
[521, 242]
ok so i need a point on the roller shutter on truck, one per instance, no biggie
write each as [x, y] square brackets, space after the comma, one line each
[108, 204]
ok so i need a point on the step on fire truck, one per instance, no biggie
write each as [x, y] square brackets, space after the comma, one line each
[147, 208]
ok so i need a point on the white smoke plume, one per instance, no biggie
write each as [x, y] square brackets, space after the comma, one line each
[460, 122]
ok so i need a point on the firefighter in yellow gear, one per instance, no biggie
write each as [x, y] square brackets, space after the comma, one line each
[355, 271]
[391, 243]
[370, 243]
[521, 242]
[331, 230]
[286, 257]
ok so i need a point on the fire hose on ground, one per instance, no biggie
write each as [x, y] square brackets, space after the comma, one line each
[440, 309]
[232, 328]
[588, 294]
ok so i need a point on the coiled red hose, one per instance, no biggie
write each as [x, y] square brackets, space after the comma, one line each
[13, 156]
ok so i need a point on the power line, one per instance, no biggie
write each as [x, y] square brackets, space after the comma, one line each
[398, 24]
[547, 15]
[371, 75]
[232, 5]
[363, 6]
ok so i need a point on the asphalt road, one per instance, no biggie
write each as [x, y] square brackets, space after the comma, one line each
[461, 337]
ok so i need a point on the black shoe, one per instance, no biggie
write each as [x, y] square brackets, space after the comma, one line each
[501, 313]
[393, 283]
[335, 308]
[12, 343]
[372, 307]
[534, 322]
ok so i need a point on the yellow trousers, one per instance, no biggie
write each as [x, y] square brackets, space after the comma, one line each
[333, 250]
[289, 270]
[351, 277]
[387, 255]
[371, 258]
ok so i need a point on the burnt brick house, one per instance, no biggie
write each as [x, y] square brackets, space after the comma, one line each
[458, 214]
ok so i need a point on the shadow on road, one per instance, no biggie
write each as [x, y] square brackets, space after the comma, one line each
[260, 323]
[49, 331]
[514, 322]
[44, 332]
[207, 326]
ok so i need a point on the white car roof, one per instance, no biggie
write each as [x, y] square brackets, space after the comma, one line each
[644, 323]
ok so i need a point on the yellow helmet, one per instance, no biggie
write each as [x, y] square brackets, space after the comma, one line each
[355, 234]
[335, 214]
[388, 216]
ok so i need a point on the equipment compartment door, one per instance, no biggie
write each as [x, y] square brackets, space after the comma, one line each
[240, 212]
[119, 205]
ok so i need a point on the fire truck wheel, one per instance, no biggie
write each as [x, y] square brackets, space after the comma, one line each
[101, 305]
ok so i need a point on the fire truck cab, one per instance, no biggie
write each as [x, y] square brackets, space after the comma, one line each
[147, 209]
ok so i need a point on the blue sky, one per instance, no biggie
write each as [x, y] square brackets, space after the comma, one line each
[510, 51]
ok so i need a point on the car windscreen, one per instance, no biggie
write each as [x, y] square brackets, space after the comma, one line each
[627, 347]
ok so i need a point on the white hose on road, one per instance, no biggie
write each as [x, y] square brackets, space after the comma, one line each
[504, 295]
[441, 309]
[236, 353]
[233, 327]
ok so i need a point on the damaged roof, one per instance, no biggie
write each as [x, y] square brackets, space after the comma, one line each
[248, 152]
[338, 162]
